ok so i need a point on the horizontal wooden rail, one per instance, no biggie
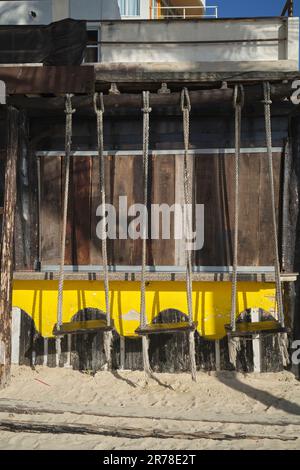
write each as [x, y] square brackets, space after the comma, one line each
[198, 98]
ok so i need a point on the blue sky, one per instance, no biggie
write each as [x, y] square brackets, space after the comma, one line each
[240, 8]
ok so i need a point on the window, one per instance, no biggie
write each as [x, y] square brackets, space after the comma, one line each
[129, 7]
[91, 53]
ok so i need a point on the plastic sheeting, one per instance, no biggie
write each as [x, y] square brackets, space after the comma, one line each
[60, 43]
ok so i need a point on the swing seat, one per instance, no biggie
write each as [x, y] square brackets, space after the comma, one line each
[164, 328]
[255, 328]
[80, 327]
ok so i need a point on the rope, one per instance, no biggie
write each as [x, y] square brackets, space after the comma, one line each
[267, 104]
[238, 102]
[143, 320]
[69, 111]
[99, 111]
[186, 109]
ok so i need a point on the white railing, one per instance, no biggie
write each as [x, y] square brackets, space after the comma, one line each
[186, 12]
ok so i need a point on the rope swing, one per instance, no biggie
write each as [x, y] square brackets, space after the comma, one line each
[99, 111]
[238, 103]
[143, 319]
[186, 109]
[69, 111]
[267, 105]
[243, 329]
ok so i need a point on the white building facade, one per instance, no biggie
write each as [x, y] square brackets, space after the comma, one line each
[28, 12]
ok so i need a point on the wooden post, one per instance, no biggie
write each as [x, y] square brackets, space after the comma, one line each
[7, 246]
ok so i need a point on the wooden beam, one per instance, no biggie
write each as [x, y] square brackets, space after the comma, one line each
[126, 432]
[113, 103]
[191, 72]
[6, 276]
[21, 80]
[136, 277]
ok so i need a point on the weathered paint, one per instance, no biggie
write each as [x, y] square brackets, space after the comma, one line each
[211, 301]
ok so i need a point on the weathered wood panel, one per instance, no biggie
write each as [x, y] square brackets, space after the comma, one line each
[7, 240]
[163, 192]
[215, 189]
[81, 203]
[26, 251]
[213, 178]
[51, 207]
[21, 80]
[265, 245]
[126, 177]
[125, 133]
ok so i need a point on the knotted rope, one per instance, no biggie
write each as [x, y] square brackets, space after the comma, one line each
[69, 111]
[186, 109]
[238, 102]
[267, 105]
[143, 319]
[99, 111]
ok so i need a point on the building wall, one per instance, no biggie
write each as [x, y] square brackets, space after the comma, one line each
[268, 41]
[46, 11]
[13, 12]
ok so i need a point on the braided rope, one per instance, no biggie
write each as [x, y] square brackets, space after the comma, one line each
[143, 320]
[69, 111]
[238, 103]
[186, 109]
[268, 126]
[99, 111]
[146, 129]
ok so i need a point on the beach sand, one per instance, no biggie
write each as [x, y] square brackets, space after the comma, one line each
[232, 411]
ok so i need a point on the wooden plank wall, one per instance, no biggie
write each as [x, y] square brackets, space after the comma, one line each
[213, 181]
[165, 132]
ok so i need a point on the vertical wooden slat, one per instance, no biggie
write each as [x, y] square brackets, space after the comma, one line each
[70, 254]
[213, 176]
[249, 210]
[138, 198]
[95, 247]
[265, 246]
[179, 245]
[51, 201]
[127, 181]
[10, 197]
[163, 192]
[82, 209]
[122, 186]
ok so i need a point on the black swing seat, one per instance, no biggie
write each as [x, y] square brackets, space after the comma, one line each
[164, 328]
[87, 326]
[255, 328]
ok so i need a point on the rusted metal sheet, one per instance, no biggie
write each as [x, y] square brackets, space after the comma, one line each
[21, 80]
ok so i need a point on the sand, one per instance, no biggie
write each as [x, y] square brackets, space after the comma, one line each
[253, 411]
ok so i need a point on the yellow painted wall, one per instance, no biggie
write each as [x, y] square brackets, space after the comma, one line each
[211, 302]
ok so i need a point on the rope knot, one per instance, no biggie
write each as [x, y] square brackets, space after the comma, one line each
[267, 94]
[185, 100]
[68, 104]
[98, 103]
[146, 102]
[238, 96]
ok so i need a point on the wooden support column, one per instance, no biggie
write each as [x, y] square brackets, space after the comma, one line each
[7, 245]
[292, 256]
